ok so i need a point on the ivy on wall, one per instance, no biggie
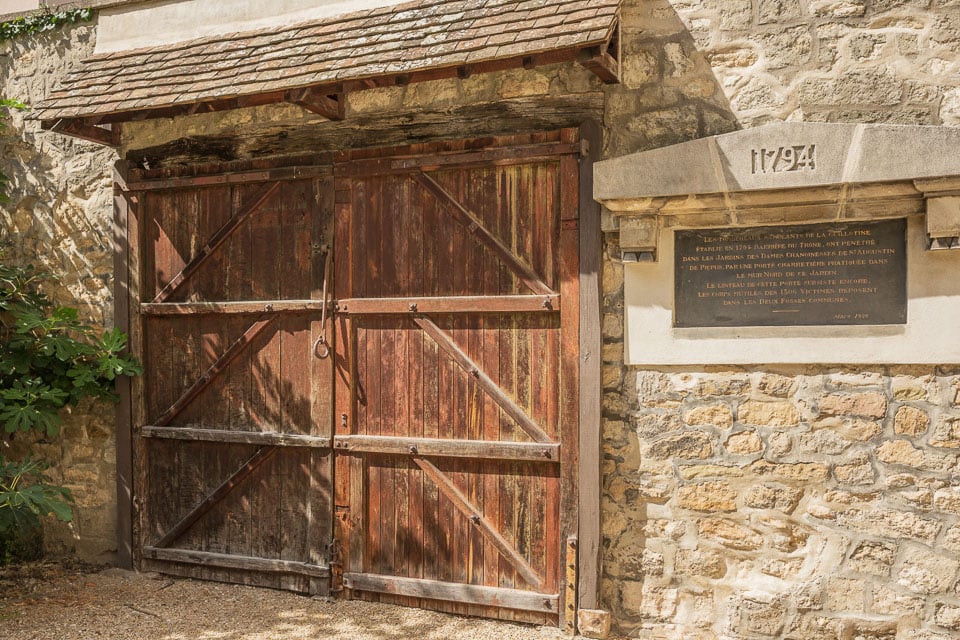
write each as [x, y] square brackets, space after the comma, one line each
[40, 22]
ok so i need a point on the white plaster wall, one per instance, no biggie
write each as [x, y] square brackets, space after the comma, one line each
[158, 23]
[933, 314]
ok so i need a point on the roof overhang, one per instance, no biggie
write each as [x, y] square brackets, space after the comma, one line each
[315, 64]
[791, 172]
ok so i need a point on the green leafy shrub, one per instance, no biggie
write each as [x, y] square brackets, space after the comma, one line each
[49, 359]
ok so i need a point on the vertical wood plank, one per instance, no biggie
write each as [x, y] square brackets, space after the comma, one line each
[124, 412]
[570, 343]
[589, 480]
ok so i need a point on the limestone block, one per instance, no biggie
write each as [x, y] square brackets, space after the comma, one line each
[901, 452]
[924, 571]
[686, 445]
[744, 443]
[787, 47]
[889, 601]
[773, 496]
[768, 414]
[736, 14]
[951, 539]
[874, 558]
[947, 499]
[838, 8]
[858, 471]
[730, 534]
[717, 415]
[910, 421]
[867, 405]
[656, 603]
[707, 496]
[844, 594]
[890, 523]
[699, 562]
[701, 471]
[825, 441]
[799, 471]
[876, 86]
[780, 444]
[667, 529]
[732, 56]
[948, 615]
[946, 434]
[775, 385]
[652, 425]
[764, 616]
[593, 623]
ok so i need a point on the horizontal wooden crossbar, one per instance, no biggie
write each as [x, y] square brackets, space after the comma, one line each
[449, 304]
[454, 592]
[250, 306]
[227, 561]
[522, 154]
[236, 437]
[437, 447]
[238, 177]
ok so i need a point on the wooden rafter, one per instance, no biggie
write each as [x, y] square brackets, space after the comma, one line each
[108, 135]
[604, 61]
[475, 226]
[222, 362]
[328, 105]
[262, 455]
[215, 241]
[464, 506]
[505, 402]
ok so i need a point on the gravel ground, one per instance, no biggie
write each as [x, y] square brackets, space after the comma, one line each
[76, 601]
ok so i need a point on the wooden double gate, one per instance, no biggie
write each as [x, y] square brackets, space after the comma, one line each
[362, 374]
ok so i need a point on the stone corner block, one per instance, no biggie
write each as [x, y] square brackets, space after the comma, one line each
[593, 623]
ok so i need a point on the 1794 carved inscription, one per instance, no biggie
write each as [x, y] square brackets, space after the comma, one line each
[819, 274]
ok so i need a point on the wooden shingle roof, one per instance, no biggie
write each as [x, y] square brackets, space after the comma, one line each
[314, 63]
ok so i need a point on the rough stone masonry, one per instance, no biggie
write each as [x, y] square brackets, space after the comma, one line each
[750, 502]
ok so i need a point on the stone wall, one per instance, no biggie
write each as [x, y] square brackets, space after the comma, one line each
[59, 218]
[756, 502]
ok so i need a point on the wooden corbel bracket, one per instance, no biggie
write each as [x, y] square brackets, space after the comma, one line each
[108, 135]
[328, 105]
[604, 61]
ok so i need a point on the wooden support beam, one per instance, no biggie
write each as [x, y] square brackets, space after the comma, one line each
[590, 393]
[476, 449]
[222, 362]
[108, 135]
[297, 172]
[464, 506]
[452, 304]
[316, 100]
[271, 438]
[475, 226]
[605, 66]
[224, 308]
[262, 455]
[453, 592]
[228, 561]
[505, 402]
[216, 240]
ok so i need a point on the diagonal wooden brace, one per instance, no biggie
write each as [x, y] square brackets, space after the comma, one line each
[475, 226]
[216, 240]
[511, 408]
[262, 455]
[208, 376]
[463, 505]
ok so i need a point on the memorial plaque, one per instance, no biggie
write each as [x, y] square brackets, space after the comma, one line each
[819, 274]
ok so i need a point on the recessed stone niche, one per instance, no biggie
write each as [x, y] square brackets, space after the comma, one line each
[769, 246]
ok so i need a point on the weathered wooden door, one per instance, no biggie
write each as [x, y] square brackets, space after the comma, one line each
[456, 372]
[234, 460]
